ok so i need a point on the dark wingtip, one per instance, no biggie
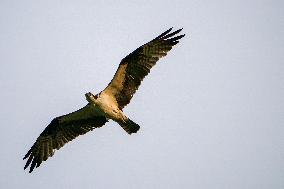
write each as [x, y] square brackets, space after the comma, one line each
[27, 154]
[178, 37]
[171, 36]
[170, 29]
[179, 30]
[28, 162]
[164, 33]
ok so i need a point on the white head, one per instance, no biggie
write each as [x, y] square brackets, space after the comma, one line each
[90, 97]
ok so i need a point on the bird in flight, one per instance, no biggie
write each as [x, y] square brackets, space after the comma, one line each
[108, 104]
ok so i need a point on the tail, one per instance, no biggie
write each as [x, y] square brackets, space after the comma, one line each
[129, 126]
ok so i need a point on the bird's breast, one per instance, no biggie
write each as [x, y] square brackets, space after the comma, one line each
[109, 107]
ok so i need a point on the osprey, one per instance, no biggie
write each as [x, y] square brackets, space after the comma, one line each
[107, 104]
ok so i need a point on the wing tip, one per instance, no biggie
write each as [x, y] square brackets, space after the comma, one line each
[168, 35]
[27, 154]
[164, 33]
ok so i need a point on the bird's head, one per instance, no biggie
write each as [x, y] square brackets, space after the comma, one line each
[90, 97]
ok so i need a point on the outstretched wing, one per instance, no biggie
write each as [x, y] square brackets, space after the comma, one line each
[60, 131]
[134, 67]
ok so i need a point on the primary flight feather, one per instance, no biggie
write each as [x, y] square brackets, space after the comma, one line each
[107, 104]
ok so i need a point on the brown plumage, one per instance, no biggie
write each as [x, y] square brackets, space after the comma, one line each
[107, 104]
[60, 131]
[135, 66]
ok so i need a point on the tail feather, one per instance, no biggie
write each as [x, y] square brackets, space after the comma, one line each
[129, 126]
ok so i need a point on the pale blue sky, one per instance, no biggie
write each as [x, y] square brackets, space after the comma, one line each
[211, 112]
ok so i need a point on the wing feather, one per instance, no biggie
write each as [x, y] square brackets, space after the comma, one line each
[134, 67]
[60, 131]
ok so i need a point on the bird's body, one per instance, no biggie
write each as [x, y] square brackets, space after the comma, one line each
[106, 105]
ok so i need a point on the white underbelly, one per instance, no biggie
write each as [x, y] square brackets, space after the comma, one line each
[109, 108]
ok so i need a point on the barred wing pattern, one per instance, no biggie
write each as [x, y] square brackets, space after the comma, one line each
[60, 131]
[134, 67]
[128, 77]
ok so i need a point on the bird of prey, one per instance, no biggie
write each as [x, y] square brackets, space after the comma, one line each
[108, 104]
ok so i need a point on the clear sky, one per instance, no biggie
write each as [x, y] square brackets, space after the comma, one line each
[211, 112]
